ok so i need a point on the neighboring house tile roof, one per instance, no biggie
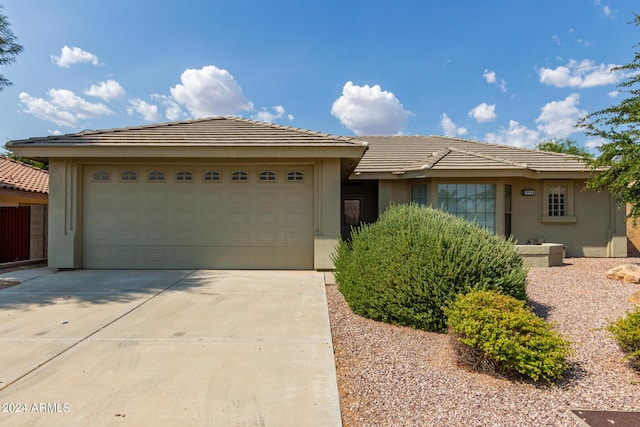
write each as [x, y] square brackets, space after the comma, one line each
[400, 154]
[19, 176]
[219, 131]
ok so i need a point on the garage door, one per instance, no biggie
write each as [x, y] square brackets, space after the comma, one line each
[241, 216]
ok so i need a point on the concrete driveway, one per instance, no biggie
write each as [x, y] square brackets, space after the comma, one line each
[166, 348]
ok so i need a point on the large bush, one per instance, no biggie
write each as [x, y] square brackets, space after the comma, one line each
[404, 268]
[500, 334]
[626, 332]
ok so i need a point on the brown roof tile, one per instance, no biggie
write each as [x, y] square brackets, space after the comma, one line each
[19, 176]
[389, 154]
[212, 131]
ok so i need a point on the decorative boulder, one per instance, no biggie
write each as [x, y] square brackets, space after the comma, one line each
[625, 272]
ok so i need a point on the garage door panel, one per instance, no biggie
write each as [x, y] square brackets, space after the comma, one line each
[198, 224]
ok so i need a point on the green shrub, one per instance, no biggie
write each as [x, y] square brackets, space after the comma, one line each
[626, 332]
[404, 268]
[497, 333]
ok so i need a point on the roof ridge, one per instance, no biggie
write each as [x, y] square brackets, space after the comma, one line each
[486, 156]
[293, 128]
[432, 160]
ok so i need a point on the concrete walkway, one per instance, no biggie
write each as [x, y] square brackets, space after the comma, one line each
[166, 348]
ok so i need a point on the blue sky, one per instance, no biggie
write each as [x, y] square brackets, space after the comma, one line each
[505, 71]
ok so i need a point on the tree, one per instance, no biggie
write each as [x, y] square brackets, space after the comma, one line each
[618, 164]
[9, 47]
[564, 145]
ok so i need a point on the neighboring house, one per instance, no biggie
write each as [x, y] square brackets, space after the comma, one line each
[23, 211]
[235, 193]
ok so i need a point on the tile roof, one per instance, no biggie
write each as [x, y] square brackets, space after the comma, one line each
[19, 176]
[218, 131]
[398, 154]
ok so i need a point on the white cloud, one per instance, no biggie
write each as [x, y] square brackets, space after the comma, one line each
[613, 94]
[450, 128]
[593, 143]
[607, 12]
[148, 111]
[489, 76]
[516, 135]
[74, 55]
[173, 110]
[266, 116]
[556, 39]
[558, 118]
[484, 113]
[107, 91]
[582, 74]
[63, 108]
[369, 110]
[210, 91]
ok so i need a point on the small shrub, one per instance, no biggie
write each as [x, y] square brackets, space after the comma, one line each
[413, 261]
[497, 333]
[626, 332]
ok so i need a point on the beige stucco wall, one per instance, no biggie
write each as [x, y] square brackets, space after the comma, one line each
[598, 231]
[326, 212]
[21, 198]
[65, 214]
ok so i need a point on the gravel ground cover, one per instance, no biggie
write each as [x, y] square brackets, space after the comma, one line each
[397, 376]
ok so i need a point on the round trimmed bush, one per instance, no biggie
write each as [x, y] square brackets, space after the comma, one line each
[499, 334]
[405, 267]
[626, 332]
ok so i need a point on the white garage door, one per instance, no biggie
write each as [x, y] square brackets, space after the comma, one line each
[245, 216]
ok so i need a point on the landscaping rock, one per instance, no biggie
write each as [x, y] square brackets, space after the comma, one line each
[635, 298]
[626, 272]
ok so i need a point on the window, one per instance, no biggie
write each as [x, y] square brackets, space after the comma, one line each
[473, 202]
[183, 176]
[267, 176]
[212, 176]
[239, 176]
[156, 176]
[295, 176]
[507, 209]
[101, 176]
[558, 202]
[419, 194]
[129, 176]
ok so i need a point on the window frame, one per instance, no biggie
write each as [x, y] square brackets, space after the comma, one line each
[184, 175]
[213, 174]
[239, 176]
[154, 175]
[270, 176]
[129, 173]
[295, 176]
[569, 210]
[102, 172]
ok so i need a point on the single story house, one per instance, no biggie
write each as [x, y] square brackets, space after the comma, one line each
[24, 193]
[227, 192]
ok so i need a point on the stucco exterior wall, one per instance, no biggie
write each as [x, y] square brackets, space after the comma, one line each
[599, 229]
[65, 214]
[326, 212]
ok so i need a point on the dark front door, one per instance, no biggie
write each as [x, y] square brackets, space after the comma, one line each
[359, 204]
[14, 233]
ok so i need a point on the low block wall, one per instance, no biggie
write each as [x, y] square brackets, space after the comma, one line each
[544, 255]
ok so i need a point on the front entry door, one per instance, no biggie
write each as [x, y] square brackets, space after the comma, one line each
[352, 214]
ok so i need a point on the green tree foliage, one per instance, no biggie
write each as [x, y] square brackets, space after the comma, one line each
[565, 146]
[405, 267]
[9, 47]
[619, 126]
